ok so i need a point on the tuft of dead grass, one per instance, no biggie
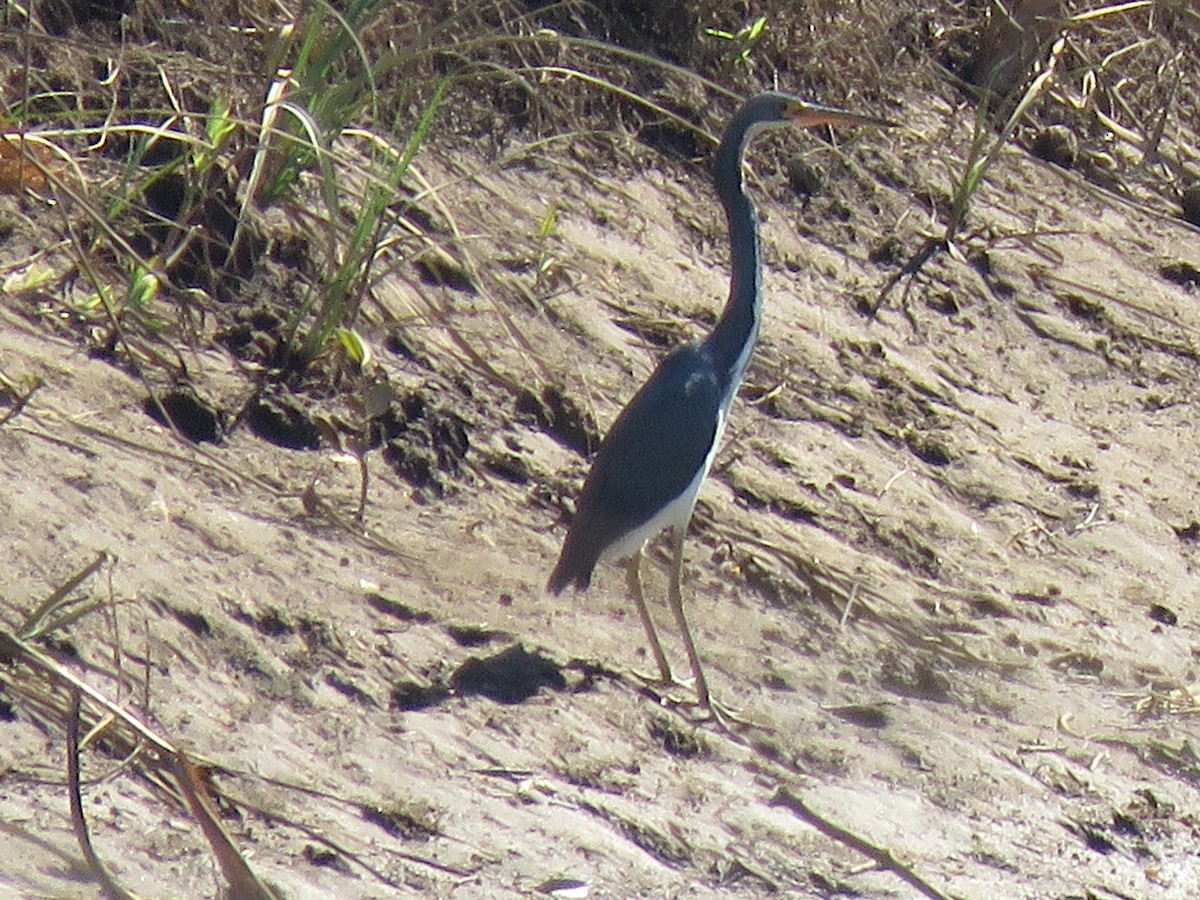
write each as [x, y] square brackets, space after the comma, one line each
[69, 708]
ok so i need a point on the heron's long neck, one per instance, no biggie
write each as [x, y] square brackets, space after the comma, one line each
[733, 337]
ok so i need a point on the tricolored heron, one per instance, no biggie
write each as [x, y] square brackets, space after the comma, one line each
[649, 467]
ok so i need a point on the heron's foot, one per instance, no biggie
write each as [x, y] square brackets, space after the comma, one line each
[726, 718]
[709, 709]
[666, 687]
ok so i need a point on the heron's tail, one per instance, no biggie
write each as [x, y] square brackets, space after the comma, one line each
[572, 569]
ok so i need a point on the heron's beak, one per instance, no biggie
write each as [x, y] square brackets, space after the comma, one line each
[810, 115]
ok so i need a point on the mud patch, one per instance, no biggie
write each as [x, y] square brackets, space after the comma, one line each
[197, 420]
[280, 419]
[425, 445]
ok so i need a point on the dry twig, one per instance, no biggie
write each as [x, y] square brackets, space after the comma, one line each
[881, 857]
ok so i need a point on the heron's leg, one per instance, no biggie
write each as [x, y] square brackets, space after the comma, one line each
[724, 717]
[675, 598]
[639, 597]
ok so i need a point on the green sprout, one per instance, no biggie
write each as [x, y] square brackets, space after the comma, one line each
[745, 38]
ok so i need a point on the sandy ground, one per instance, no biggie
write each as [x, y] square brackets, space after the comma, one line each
[945, 566]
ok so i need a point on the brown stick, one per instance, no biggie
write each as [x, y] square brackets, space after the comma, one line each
[111, 888]
[243, 883]
[882, 858]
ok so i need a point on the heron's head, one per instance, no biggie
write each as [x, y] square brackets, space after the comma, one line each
[776, 108]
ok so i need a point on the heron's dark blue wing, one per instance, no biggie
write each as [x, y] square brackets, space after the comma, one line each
[649, 457]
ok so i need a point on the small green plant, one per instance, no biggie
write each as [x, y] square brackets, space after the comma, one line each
[341, 292]
[324, 82]
[219, 126]
[981, 156]
[172, 198]
[546, 260]
[743, 40]
[144, 285]
[318, 92]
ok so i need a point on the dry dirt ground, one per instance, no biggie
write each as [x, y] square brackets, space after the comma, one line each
[945, 565]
